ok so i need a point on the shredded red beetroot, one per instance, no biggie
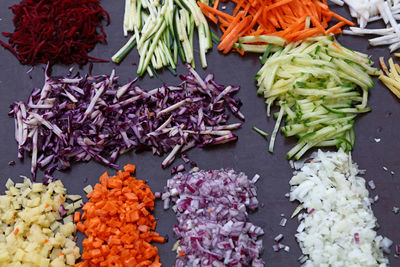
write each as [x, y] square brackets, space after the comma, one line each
[56, 31]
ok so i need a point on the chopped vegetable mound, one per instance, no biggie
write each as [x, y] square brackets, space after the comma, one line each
[31, 230]
[253, 25]
[56, 31]
[212, 212]
[118, 223]
[320, 86]
[337, 227]
[162, 30]
[79, 118]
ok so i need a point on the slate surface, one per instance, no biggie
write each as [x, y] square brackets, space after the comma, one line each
[249, 154]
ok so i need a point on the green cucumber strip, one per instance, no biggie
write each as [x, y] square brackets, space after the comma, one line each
[261, 132]
[124, 51]
[215, 38]
[266, 53]
[276, 129]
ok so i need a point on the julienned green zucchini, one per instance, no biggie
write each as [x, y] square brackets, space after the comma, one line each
[320, 87]
[162, 30]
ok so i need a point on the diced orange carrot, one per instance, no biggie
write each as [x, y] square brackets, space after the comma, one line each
[117, 221]
[77, 216]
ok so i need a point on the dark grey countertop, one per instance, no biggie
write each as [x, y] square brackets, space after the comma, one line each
[249, 154]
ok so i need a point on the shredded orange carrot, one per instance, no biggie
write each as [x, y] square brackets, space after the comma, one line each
[16, 231]
[118, 224]
[283, 18]
[335, 45]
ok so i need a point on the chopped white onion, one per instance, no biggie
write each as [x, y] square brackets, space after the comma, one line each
[330, 185]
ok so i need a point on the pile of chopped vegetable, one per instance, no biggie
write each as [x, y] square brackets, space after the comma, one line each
[78, 118]
[376, 10]
[213, 229]
[118, 223]
[56, 31]
[392, 77]
[36, 228]
[162, 30]
[337, 227]
[315, 82]
[254, 24]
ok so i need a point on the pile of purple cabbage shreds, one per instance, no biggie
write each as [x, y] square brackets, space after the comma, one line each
[77, 118]
[213, 229]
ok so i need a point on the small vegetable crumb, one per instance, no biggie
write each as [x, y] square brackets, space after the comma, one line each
[396, 210]
[278, 238]
[283, 222]
[371, 184]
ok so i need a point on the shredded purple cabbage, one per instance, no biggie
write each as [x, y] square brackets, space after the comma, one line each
[213, 228]
[77, 118]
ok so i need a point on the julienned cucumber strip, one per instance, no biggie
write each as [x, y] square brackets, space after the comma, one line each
[320, 87]
[162, 30]
[124, 51]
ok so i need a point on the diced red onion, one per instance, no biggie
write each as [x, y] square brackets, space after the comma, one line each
[311, 211]
[176, 169]
[357, 238]
[283, 222]
[398, 249]
[79, 118]
[213, 228]
[62, 211]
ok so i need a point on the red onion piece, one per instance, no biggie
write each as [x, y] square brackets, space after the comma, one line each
[62, 211]
[357, 238]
